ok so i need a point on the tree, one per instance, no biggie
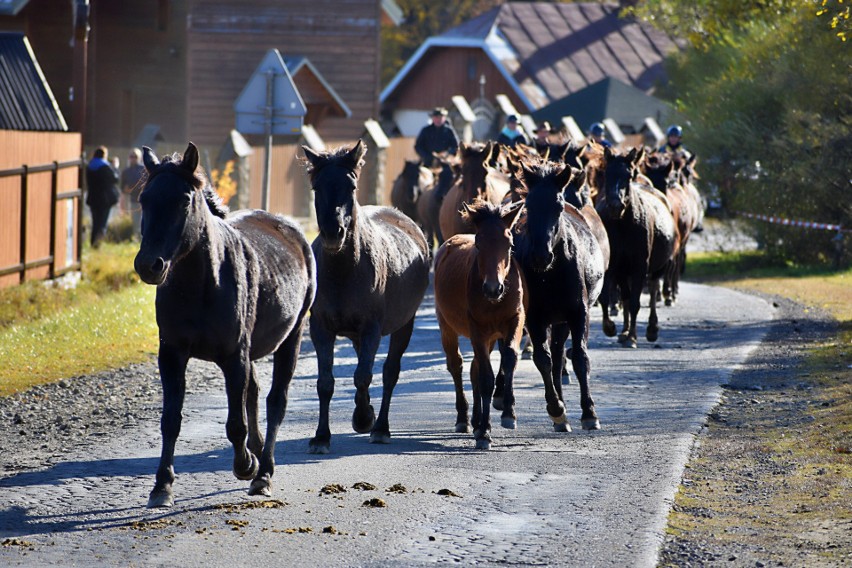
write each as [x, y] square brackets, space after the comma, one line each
[767, 91]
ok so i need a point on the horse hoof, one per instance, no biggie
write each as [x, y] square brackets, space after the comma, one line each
[623, 338]
[380, 437]
[261, 486]
[669, 302]
[251, 471]
[483, 444]
[591, 424]
[319, 447]
[462, 427]
[564, 427]
[160, 499]
[652, 335]
[629, 344]
[363, 424]
[508, 422]
[497, 403]
[609, 330]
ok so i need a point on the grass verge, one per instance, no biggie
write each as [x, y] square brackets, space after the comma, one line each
[772, 478]
[48, 333]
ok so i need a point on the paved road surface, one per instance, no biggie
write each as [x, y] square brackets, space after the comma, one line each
[538, 498]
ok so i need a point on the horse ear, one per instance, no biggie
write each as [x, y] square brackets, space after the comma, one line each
[608, 153]
[511, 213]
[190, 158]
[465, 211]
[563, 177]
[546, 154]
[149, 159]
[356, 155]
[313, 157]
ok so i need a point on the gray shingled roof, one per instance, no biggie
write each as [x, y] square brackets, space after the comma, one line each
[26, 101]
[550, 50]
[608, 98]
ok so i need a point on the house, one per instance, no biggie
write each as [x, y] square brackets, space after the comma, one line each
[536, 53]
[40, 170]
[180, 64]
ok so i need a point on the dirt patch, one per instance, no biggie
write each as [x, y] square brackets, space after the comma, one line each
[766, 485]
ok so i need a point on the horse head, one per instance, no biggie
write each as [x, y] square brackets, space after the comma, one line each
[493, 240]
[475, 167]
[659, 168]
[619, 171]
[411, 180]
[545, 202]
[176, 202]
[334, 179]
[577, 192]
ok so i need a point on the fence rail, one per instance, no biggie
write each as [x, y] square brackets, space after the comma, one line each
[25, 233]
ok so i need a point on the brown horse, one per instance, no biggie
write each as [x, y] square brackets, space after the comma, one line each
[445, 175]
[479, 178]
[480, 294]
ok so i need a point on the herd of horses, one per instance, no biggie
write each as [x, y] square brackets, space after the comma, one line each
[526, 243]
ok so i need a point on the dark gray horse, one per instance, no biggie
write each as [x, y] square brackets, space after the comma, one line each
[564, 269]
[230, 289]
[372, 272]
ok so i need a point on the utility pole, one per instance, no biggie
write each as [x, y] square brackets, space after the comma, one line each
[80, 43]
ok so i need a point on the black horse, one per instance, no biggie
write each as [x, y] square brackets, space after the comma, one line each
[409, 186]
[230, 289]
[642, 237]
[372, 272]
[564, 269]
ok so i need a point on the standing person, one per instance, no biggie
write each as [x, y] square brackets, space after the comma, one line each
[511, 134]
[102, 192]
[673, 144]
[437, 136]
[597, 132]
[131, 186]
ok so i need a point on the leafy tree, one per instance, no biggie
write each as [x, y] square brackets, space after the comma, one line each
[767, 91]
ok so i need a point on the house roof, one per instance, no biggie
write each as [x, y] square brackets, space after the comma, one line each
[608, 98]
[548, 50]
[298, 62]
[26, 101]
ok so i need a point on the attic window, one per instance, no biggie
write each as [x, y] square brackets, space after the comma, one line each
[163, 15]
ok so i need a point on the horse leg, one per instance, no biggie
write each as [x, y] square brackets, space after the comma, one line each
[509, 351]
[485, 379]
[500, 379]
[455, 365]
[653, 330]
[172, 363]
[323, 341]
[606, 298]
[364, 417]
[582, 368]
[236, 369]
[255, 440]
[558, 337]
[544, 364]
[631, 295]
[668, 282]
[284, 365]
[390, 376]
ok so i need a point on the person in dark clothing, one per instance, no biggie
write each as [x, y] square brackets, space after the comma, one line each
[436, 137]
[543, 141]
[131, 186]
[102, 194]
[511, 134]
[597, 132]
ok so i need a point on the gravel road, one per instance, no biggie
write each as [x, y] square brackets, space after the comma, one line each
[78, 459]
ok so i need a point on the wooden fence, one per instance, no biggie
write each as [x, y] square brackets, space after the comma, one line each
[42, 205]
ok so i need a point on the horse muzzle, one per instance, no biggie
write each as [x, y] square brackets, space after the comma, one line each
[151, 270]
[332, 241]
[493, 291]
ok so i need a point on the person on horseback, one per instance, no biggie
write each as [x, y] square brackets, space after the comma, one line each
[597, 132]
[673, 144]
[436, 137]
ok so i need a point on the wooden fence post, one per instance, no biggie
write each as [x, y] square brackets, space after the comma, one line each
[54, 191]
[23, 227]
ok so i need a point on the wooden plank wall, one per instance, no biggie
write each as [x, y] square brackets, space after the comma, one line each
[35, 149]
[226, 41]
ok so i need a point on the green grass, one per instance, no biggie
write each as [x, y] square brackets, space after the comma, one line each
[48, 333]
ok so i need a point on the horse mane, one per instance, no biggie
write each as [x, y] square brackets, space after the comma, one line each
[480, 210]
[197, 179]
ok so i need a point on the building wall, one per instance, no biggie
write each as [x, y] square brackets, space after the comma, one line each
[227, 40]
[444, 72]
